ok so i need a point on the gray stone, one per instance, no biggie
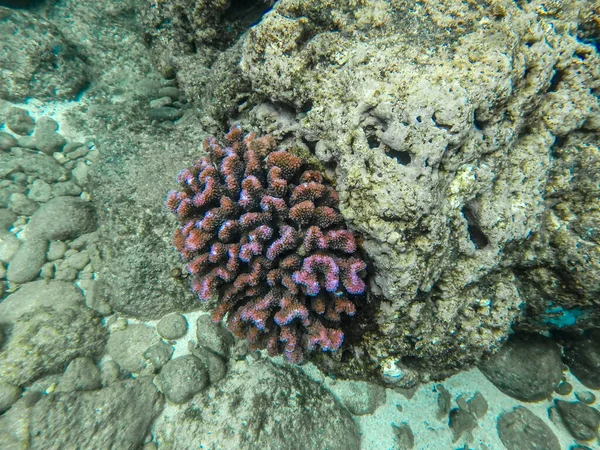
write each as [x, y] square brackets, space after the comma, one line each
[127, 347]
[461, 422]
[27, 142]
[63, 218]
[27, 262]
[59, 295]
[19, 121]
[37, 61]
[46, 124]
[51, 339]
[581, 420]
[520, 429]
[9, 245]
[62, 271]
[172, 326]
[181, 378]
[169, 91]
[49, 142]
[78, 153]
[511, 371]
[215, 365]
[160, 102]
[42, 166]
[9, 394]
[7, 218]
[56, 250]
[213, 336]
[71, 147]
[404, 437]
[109, 372]
[94, 298]
[585, 397]
[77, 260]
[81, 375]
[477, 405]
[260, 405]
[117, 416]
[165, 113]
[20, 204]
[80, 173]
[39, 191]
[65, 188]
[159, 354]
[582, 355]
[359, 397]
[6, 141]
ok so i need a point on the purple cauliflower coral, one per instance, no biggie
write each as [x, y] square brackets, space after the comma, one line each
[265, 235]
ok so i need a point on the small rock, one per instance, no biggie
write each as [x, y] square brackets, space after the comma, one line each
[160, 102]
[478, 405]
[47, 271]
[586, 397]
[42, 166]
[49, 143]
[79, 153]
[165, 113]
[581, 420]
[56, 250]
[9, 245]
[159, 354]
[7, 218]
[511, 371]
[109, 372]
[27, 142]
[7, 141]
[127, 347]
[46, 124]
[520, 429]
[564, 388]
[216, 367]
[27, 262]
[182, 378]
[39, 191]
[80, 173]
[77, 260]
[19, 121]
[65, 188]
[63, 218]
[9, 394]
[404, 437]
[21, 205]
[444, 402]
[583, 358]
[172, 326]
[62, 271]
[169, 91]
[461, 422]
[359, 397]
[81, 375]
[213, 336]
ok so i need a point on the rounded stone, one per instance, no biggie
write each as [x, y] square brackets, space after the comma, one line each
[81, 375]
[6, 141]
[127, 347]
[63, 218]
[19, 121]
[165, 113]
[182, 378]
[28, 261]
[172, 326]
[520, 429]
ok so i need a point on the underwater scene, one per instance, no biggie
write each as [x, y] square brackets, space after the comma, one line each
[300, 224]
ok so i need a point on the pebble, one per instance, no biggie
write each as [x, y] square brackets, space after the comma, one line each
[215, 366]
[62, 271]
[63, 218]
[520, 429]
[71, 147]
[6, 141]
[127, 347]
[39, 191]
[212, 336]
[9, 245]
[65, 188]
[165, 113]
[56, 250]
[9, 394]
[478, 405]
[461, 422]
[79, 153]
[49, 142]
[564, 388]
[159, 354]
[42, 166]
[19, 121]
[80, 375]
[172, 326]
[109, 372]
[581, 420]
[27, 142]
[7, 218]
[80, 173]
[160, 102]
[169, 91]
[583, 358]
[181, 378]
[22, 205]
[77, 260]
[585, 397]
[27, 262]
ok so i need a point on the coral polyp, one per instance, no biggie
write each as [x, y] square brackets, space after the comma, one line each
[262, 232]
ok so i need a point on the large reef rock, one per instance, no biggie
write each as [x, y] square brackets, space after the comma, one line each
[464, 137]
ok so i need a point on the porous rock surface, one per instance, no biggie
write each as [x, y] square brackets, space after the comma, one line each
[260, 405]
[449, 126]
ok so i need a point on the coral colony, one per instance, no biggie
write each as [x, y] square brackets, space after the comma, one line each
[267, 238]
